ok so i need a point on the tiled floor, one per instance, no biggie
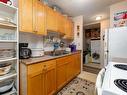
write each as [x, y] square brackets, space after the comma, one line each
[88, 76]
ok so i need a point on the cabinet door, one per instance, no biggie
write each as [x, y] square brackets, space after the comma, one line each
[25, 15]
[36, 84]
[36, 78]
[61, 72]
[51, 22]
[69, 29]
[70, 68]
[78, 63]
[39, 17]
[50, 77]
[60, 23]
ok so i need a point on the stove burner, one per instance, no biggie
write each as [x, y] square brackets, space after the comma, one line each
[121, 66]
[122, 84]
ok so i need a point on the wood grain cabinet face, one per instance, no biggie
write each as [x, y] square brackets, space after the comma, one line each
[78, 63]
[51, 20]
[70, 68]
[35, 17]
[36, 85]
[60, 23]
[50, 77]
[26, 15]
[36, 78]
[69, 31]
[39, 17]
[61, 72]
[42, 78]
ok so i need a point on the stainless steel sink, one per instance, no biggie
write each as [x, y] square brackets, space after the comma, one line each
[59, 54]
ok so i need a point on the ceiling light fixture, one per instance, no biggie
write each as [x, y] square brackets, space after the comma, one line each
[98, 17]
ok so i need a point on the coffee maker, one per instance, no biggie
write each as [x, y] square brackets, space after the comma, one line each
[24, 51]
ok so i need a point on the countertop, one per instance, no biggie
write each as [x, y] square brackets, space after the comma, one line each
[43, 58]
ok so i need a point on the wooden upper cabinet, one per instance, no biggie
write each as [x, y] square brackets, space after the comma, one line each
[60, 23]
[35, 17]
[69, 29]
[26, 15]
[51, 19]
[39, 17]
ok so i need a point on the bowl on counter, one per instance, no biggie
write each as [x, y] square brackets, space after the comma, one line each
[5, 68]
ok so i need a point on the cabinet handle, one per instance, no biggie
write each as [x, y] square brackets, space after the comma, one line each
[44, 69]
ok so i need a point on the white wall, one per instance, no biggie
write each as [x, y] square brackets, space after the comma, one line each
[78, 21]
[121, 6]
[105, 24]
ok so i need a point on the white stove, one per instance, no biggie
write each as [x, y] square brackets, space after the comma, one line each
[115, 79]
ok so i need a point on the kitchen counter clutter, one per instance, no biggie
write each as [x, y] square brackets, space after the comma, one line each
[47, 75]
[44, 58]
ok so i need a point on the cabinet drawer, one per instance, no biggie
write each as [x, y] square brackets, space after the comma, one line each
[35, 69]
[49, 64]
[62, 61]
[38, 68]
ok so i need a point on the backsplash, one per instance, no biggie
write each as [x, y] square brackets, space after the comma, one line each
[34, 41]
[37, 41]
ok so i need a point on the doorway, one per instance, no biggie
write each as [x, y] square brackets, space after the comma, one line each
[92, 46]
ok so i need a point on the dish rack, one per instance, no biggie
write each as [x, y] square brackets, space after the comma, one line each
[9, 62]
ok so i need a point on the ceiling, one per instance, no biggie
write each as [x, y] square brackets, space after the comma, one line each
[89, 8]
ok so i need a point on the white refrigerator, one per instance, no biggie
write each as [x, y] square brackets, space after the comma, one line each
[115, 44]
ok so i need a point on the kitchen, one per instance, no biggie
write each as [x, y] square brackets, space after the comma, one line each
[41, 45]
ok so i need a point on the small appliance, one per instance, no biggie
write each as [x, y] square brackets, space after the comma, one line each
[37, 52]
[24, 51]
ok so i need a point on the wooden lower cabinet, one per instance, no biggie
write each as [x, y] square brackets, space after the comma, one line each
[36, 85]
[38, 79]
[46, 78]
[61, 72]
[50, 78]
[70, 68]
[78, 63]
